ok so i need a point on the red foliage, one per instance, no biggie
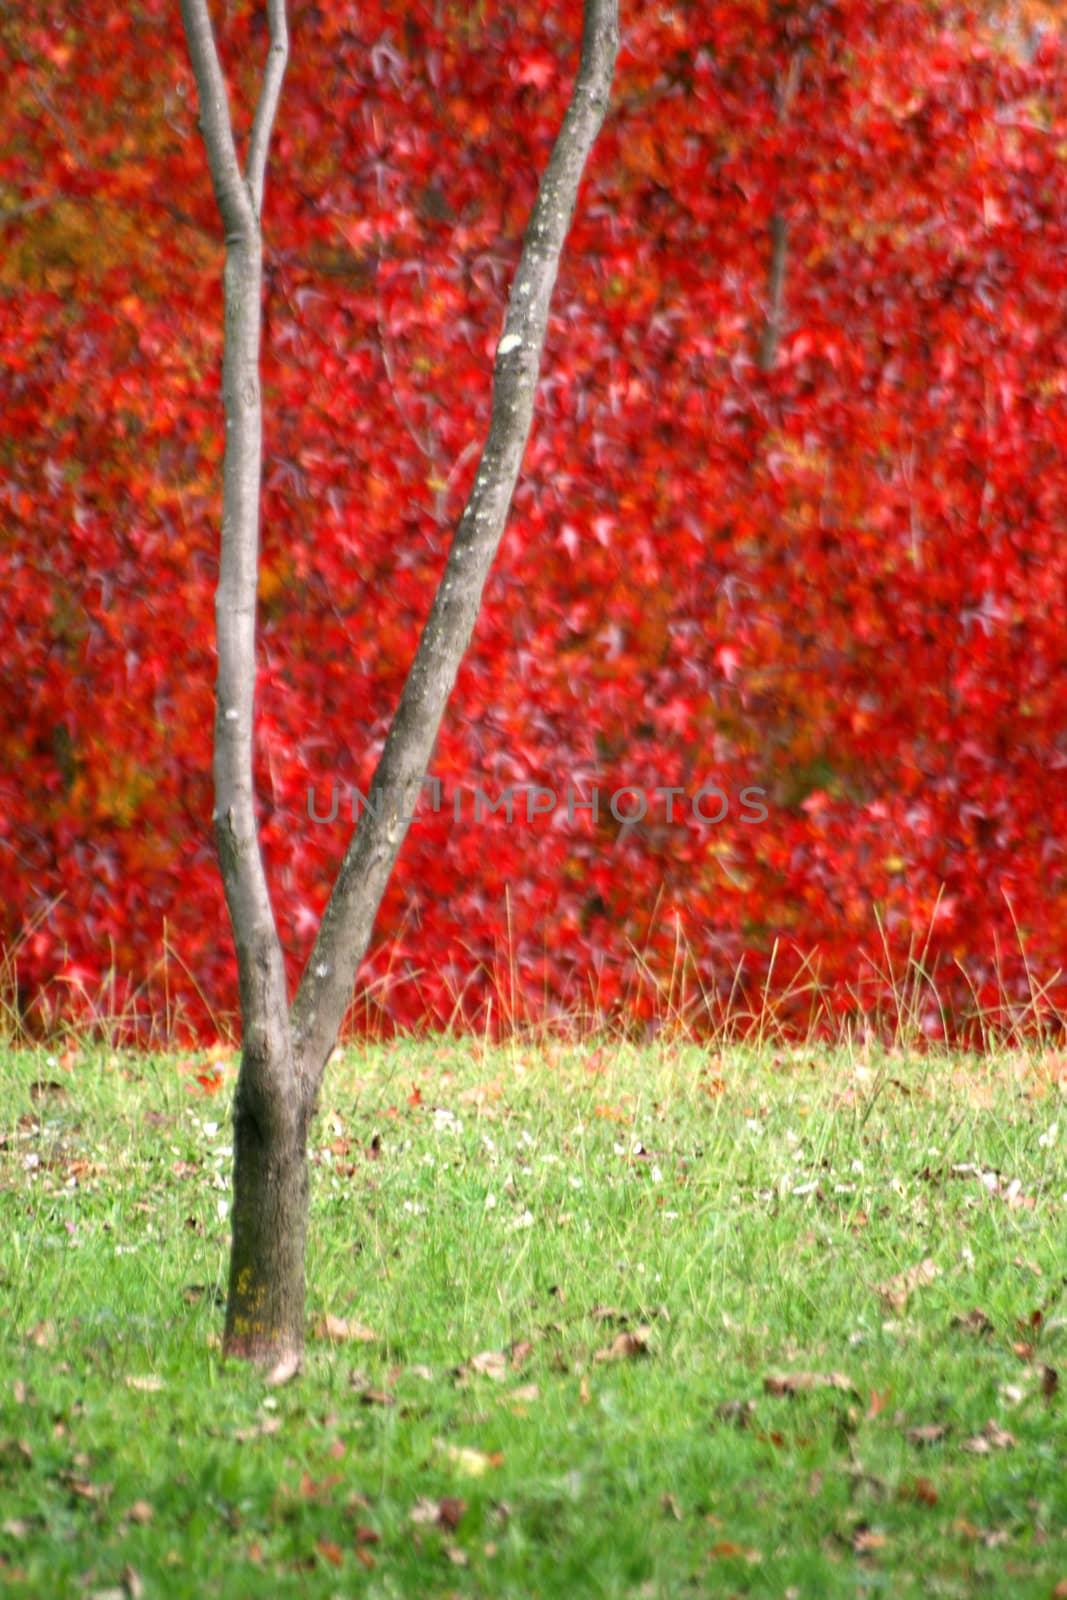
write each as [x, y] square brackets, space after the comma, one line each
[837, 580]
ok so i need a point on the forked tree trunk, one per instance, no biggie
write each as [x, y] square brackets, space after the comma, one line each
[284, 1052]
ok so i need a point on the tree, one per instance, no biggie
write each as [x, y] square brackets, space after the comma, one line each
[285, 1048]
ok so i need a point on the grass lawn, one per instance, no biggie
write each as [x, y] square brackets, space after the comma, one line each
[591, 1321]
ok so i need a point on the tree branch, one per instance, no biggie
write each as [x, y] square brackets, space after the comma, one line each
[274, 72]
[772, 327]
[327, 982]
[267, 1054]
[216, 124]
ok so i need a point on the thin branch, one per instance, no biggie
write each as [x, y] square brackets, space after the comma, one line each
[326, 986]
[274, 72]
[216, 124]
[772, 328]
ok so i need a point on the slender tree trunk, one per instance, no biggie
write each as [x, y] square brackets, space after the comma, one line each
[284, 1052]
[265, 1307]
[772, 327]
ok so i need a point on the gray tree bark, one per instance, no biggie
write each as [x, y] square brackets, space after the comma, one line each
[285, 1050]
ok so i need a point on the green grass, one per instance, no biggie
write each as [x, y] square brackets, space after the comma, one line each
[734, 1214]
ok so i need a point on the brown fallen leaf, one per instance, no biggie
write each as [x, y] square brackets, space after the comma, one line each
[141, 1512]
[489, 1364]
[519, 1353]
[329, 1551]
[84, 1489]
[626, 1346]
[1050, 1382]
[445, 1513]
[898, 1290]
[927, 1433]
[367, 1393]
[879, 1401]
[525, 1394]
[975, 1321]
[726, 1549]
[800, 1382]
[866, 1540]
[608, 1314]
[992, 1437]
[342, 1330]
[736, 1412]
[920, 1490]
[259, 1430]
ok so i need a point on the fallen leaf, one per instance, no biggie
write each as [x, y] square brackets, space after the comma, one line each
[148, 1382]
[470, 1462]
[879, 1401]
[608, 1314]
[445, 1513]
[329, 1551]
[921, 1490]
[975, 1322]
[489, 1364]
[626, 1346]
[736, 1412]
[526, 1394]
[927, 1433]
[340, 1330]
[898, 1290]
[141, 1513]
[1050, 1382]
[84, 1489]
[864, 1540]
[992, 1437]
[801, 1382]
[368, 1394]
[259, 1430]
[519, 1353]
